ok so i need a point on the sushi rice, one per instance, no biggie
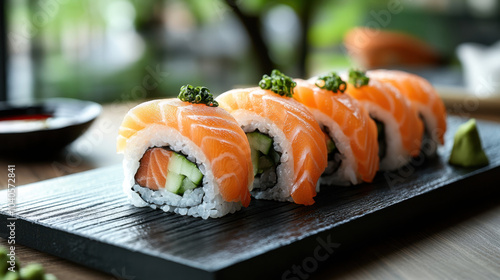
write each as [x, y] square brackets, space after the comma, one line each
[284, 170]
[201, 202]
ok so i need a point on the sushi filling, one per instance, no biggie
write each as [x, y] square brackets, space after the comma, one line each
[382, 143]
[162, 168]
[429, 144]
[264, 160]
[334, 157]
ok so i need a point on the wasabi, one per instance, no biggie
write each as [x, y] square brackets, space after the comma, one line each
[467, 150]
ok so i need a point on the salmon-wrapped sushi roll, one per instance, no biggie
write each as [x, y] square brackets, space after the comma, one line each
[351, 134]
[287, 145]
[426, 101]
[400, 130]
[191, 159]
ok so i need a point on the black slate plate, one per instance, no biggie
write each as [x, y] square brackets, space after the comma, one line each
[86, 218]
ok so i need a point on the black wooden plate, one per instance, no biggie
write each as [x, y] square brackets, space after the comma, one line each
[86, 218]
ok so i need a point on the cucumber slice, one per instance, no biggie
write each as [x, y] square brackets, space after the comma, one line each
[187, 185]
[173, 182]
[260, 142]
[255, 161]
[181, 165]
[330, 145]
[193, 173]
[175, 163]
[275, 156]
[265, 162]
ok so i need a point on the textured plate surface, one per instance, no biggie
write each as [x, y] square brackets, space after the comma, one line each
[85, 218]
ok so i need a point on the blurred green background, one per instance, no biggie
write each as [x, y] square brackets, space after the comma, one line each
[120, 50]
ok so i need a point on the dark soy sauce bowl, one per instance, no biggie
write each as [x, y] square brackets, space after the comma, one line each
[44, 128]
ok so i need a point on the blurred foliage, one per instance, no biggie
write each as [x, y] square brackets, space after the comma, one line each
[76, 69]
[331, 18]
[334, 19]
[207, 10]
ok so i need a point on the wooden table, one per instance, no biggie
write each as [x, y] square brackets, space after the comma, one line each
[462, 242]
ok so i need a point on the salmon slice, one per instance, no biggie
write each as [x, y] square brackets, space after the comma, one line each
[152, 172]
[308, 148]
[383, 99]
[423, 97]
[374, 48]
[212, 129]
[351, 128]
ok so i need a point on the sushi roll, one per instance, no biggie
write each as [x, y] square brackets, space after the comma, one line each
[287, 145]
[426, 101]
[400, 130]
[187, 158]
[350, 133]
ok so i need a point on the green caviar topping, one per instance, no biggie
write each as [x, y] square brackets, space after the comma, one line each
[278, 83]
[358, 78]
[197, 95]
[331, 82]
